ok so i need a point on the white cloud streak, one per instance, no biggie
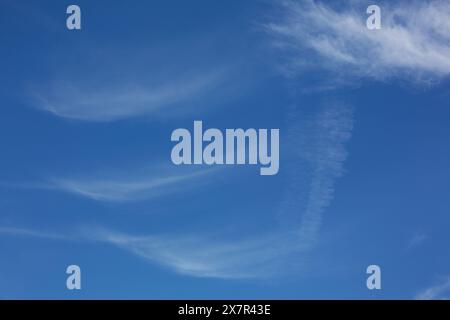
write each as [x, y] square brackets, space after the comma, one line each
[318, 146]
[104, 102]
[119, 189]
[200, 256]
[334, 126]
[197, 256]
[417, 239]
[318, 143]
[413, 44]
[438, 292]
[318, 157]
[32, 233]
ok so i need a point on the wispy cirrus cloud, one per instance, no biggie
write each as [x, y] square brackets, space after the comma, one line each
[129, 187]
[327, 155]
[32, 233]
[124, 98]
[438, 292]
[201, 255]
[417, 239]
[318, 159]
[413, 44]
[193, 255]
[125, 185]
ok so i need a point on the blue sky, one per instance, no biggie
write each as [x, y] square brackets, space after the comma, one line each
[86, 179]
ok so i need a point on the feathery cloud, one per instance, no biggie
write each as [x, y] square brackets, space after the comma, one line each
[438, 292]
[123, 99]
[32, 233]
[200, 255]
[122, 189]
[318, 158]
[193, 255]
[417, 239]
[318, 150]
[413, 43]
